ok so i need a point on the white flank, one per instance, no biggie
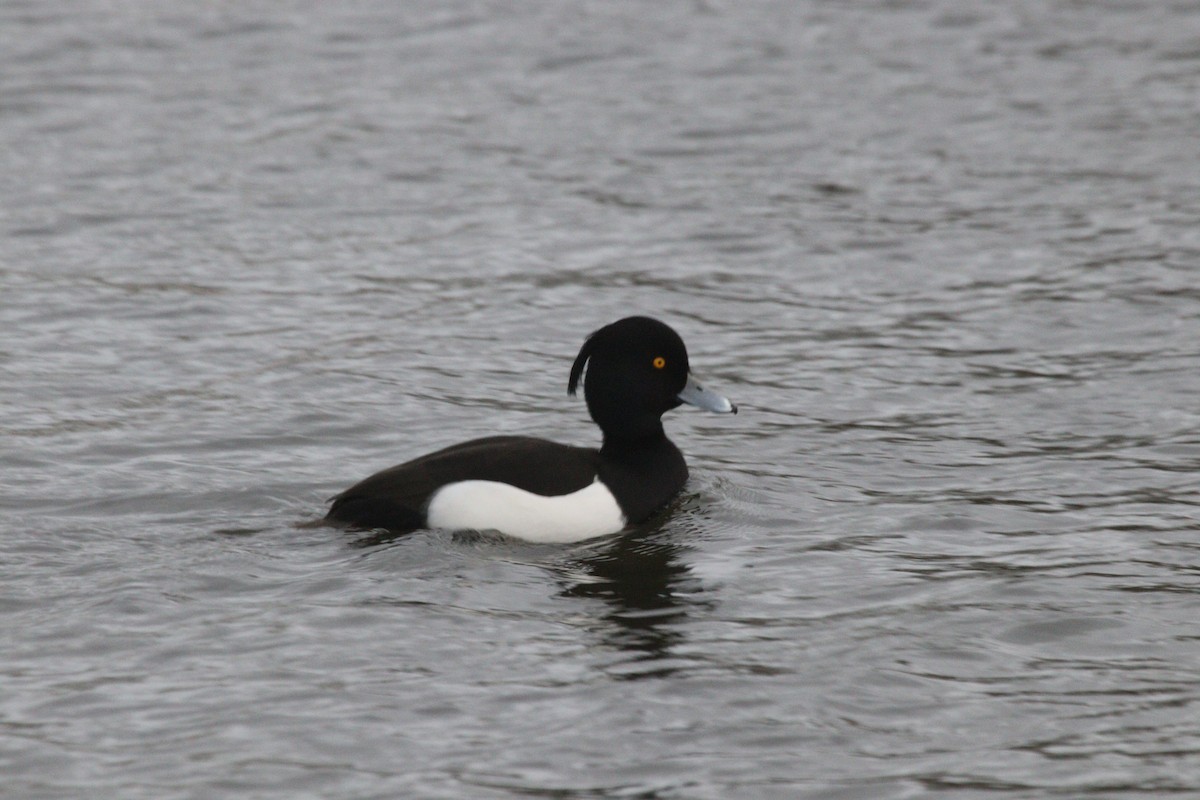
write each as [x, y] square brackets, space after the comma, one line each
[488, 505]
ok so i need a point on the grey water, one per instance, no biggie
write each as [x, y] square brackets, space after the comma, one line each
[944, 255]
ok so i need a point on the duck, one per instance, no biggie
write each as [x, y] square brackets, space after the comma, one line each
[633, 371]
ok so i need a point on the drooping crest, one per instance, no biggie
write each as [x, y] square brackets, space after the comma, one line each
[585, 353]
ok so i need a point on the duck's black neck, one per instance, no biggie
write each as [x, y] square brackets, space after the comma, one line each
[644, 472]
[649, 439]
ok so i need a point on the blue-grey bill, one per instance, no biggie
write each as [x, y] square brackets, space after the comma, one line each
[696, 395]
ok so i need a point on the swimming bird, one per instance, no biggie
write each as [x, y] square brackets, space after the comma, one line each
[542, 491]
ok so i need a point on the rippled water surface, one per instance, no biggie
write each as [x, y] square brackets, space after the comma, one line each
[944, 255]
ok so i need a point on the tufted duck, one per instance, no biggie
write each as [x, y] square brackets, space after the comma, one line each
[542, 491]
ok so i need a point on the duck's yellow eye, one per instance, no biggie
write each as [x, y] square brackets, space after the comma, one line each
[659, 362]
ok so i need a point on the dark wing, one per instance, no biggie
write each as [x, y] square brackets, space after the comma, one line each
[396, 497]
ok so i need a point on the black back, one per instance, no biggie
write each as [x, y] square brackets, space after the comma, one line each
[396, 497]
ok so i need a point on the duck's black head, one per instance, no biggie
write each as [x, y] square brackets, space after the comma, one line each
[637, 369]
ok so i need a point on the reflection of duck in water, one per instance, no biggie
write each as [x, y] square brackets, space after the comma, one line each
[542, 491]
[649, 592]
